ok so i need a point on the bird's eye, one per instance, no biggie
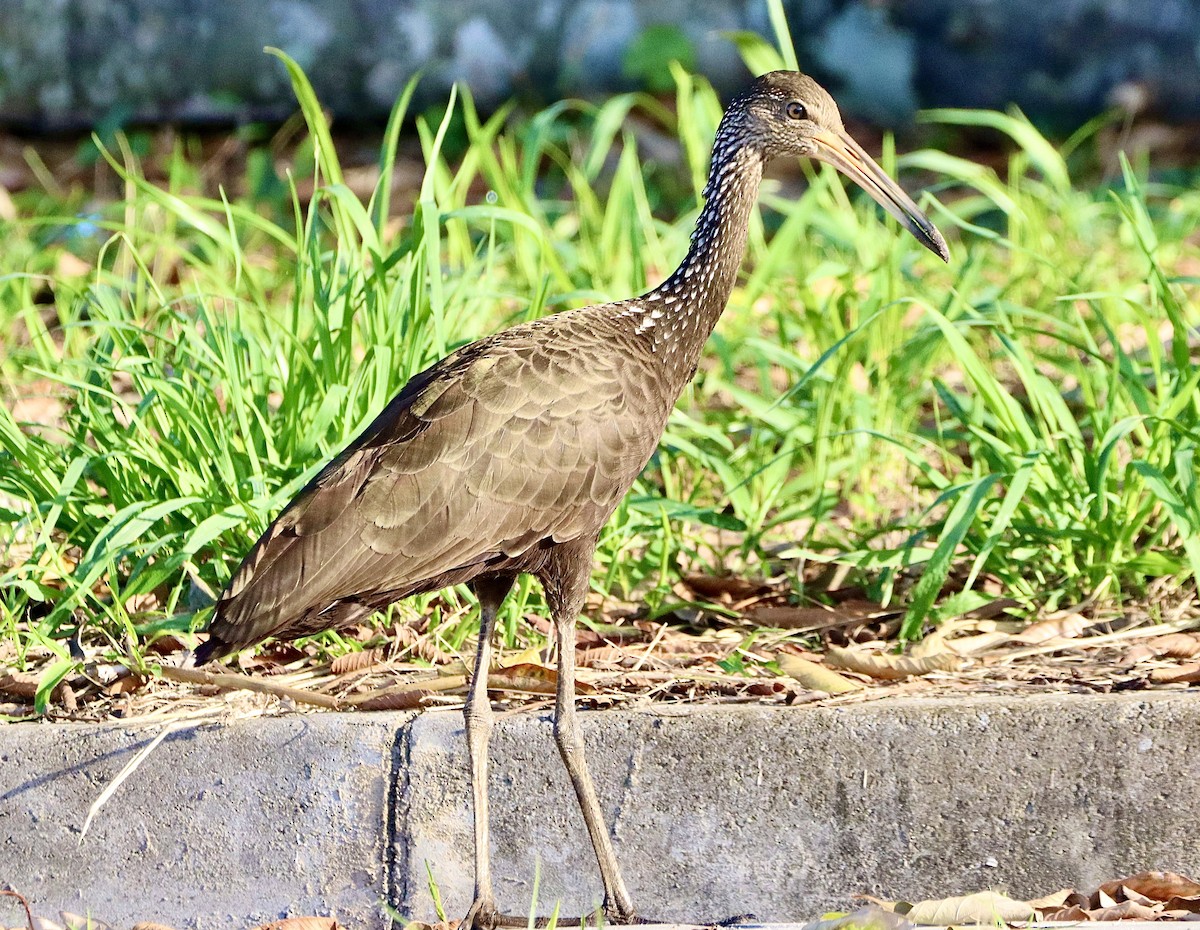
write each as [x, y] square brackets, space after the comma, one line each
[796, 110]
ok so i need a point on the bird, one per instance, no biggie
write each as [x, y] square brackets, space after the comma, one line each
[509, 455]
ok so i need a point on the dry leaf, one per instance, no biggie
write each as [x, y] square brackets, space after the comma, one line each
[724, 587]
[389, 699]
[890, 668]
[1190, 904]
[1175, 645]
[19, 684]
[1126, 910]
[126, 684]
[974, 645]
[356, 661]
[1067, 897]
[530, 677]
[1059, 626]
[818, 618]
[147, 925]
[1176, 674]
[1157, 886]
[983, 907]
[815, 677]
[301, 923]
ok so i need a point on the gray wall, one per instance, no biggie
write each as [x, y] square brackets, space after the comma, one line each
[71, 63]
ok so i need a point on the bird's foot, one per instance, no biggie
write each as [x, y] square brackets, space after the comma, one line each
[481, 916]
[620, 913]
[738, 920]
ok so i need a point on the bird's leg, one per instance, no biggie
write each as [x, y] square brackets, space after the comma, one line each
[478, 716]
[617, 906]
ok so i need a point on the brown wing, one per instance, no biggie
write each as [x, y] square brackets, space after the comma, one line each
[507, 443]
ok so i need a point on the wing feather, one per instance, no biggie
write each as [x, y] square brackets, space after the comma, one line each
[508, 443]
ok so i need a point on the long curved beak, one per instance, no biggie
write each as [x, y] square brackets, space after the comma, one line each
[839, 150]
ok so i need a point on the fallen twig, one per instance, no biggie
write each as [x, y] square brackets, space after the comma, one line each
[195, 676]
[25, 904]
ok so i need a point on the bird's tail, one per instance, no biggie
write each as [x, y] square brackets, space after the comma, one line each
[212, 648]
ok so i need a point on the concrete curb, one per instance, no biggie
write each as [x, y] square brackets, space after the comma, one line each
[781, 812]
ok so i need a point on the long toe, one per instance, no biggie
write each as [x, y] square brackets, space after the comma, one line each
[616, 914]
[481, 916]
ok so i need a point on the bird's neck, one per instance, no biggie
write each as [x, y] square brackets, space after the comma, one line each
[681, 313]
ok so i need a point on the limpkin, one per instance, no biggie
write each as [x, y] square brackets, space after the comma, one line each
[510, 454]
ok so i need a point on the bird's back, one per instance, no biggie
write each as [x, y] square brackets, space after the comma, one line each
[483, 462]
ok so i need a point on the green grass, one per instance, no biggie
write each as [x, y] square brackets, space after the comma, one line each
[1025, 417]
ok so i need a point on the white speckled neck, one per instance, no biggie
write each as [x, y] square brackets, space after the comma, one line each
[679, 314]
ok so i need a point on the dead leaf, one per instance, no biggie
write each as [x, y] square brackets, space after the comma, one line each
[1174, 645]
[1176, 674]
[1067, 897]
[1190, 904]
[147, 925]
[1126, 910]
[1156, 886]
[126, 684]
[983, 907]
[815, 677]
[974, 645]
[818, 618]
[1059, 626]
[389, 699]
[301, 923]
[357, 661]
[1177, 645]
[18, 684]
[888, 667]
[530, 677]
[724, 587]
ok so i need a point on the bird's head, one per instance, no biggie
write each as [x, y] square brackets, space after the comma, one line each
[786, 113]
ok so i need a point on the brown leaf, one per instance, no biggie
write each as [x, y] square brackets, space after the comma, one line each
[1060, 626]
[983, 907]
[1176, 674]
[1190, 903]
[890, 668]
[126, 684]
[19, 684]
[357, 661]
[817, 618]
[1067, 897]
[530, 677]
[1157, 886]
[164, 645]
[725, 587]
[301, 923]
[147, 925]
[1126, 910]
[388, 699]
[815, 677]
[1175, 645]
[974, 645]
